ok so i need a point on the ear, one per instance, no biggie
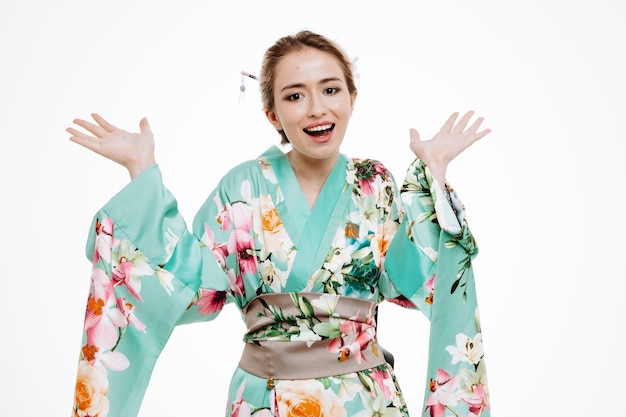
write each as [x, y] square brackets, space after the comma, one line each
[273, 119]
[352, 101]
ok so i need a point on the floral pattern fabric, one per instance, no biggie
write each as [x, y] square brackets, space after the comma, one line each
[256, 235]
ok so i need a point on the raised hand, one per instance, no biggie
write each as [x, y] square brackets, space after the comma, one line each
[134, 151]
[452, 139]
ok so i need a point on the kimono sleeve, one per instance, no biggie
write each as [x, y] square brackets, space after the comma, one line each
[429, 263]
[147, 271]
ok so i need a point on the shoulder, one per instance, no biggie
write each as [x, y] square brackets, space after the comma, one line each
[245, 167]
[254, 174]
[257, 166]
[246, 170]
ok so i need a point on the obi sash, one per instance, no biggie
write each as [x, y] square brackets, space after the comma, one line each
[309, 335]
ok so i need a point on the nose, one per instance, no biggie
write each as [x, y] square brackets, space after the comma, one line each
[317, 105]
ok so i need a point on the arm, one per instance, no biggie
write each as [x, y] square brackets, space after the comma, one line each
[147, 272]
[430, 269]
[137, 294]
[431, 206]
[429, 263]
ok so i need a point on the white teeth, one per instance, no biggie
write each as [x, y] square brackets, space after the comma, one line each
[320, 128]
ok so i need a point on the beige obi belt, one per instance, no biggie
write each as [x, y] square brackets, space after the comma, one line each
[309, 335]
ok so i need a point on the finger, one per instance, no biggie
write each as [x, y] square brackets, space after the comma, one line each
[78, 134]
[82, 139]
[460, 126]
[447, 126]
[482, 134]
[144, 126]
[470, 140]
[90, 127]
[414, 135]
[103, 123]
[474, 127]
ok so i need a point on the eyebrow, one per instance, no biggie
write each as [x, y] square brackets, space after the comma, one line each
[301, 85]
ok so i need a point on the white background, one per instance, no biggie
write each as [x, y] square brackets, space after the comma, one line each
[543, 191]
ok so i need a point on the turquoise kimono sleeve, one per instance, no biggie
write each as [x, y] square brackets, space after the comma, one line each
[147, 272]
[429, 263]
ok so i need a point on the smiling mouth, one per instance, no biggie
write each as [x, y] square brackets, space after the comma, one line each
[320, 130]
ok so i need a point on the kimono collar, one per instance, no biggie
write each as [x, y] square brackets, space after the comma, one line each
[311, 230]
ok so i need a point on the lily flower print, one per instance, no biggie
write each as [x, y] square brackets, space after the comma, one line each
[430, 286]
[128, 310]
[165, 278]
[306, 334]
[219, 250]
[172, 241]
[327, 303]
[383, 381]
[241, 408]
[223, 216]
[381, 240]
[467, 349]
[105, 242]
[443, 389]
[377, 406]
[103, 318]
[235, 283]
[356, 336]
[129, 265]
[475, 390]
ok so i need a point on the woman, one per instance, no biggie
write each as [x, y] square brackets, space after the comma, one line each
[306, 243]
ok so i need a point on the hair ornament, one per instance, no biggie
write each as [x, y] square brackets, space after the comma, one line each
[242, 87]
[355, 72]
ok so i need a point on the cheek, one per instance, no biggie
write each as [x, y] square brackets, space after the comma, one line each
[291, 117]
[343, 107]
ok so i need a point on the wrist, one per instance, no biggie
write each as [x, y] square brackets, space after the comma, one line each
[438, 172]
[139, 166]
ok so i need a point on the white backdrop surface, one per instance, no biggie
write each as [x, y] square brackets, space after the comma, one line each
[543, 192]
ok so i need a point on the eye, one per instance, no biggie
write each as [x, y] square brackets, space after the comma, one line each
[294, 97]
[331, 90]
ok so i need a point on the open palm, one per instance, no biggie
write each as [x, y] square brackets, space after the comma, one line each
[451, 140]
[134, 151]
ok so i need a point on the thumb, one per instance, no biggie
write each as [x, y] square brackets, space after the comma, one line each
[415, 136]
[144, 126]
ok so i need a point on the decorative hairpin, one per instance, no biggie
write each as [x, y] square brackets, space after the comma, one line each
[244, 74]
[355, 72]
[242, 87]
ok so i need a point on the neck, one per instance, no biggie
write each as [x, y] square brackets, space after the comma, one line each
[311, 174]
[311, 170]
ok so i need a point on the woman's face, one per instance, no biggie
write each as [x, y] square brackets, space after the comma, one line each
[312, 103]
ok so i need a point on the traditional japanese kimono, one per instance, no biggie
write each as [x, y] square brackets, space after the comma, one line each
[307, 281]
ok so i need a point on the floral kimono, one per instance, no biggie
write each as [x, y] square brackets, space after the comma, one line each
[308, 283]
